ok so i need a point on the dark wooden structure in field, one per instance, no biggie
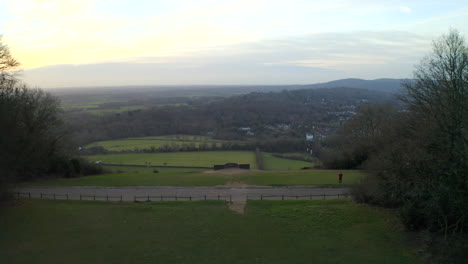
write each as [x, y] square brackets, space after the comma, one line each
[232, 165]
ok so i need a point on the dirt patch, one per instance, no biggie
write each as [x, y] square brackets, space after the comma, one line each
[238, 206]
[236, 185]
[14, 203]
[231, 171]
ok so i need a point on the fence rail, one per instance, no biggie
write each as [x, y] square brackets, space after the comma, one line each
[297, 197]
[150, 198]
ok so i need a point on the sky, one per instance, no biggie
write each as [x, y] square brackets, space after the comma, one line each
[73, 43]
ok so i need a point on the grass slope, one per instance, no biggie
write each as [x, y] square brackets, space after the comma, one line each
[132, 144]
[141, 176]
[333, 231]
[198, 159]
[275, 163]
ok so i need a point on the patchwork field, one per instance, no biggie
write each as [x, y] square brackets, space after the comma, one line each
[140, 144]
[194, 159]
[143, 176]
[332, 231]
[275, 163]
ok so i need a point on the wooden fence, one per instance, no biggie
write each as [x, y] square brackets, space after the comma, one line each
[151, 198]
[297, 197]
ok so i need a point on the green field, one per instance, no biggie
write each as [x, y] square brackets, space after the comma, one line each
[100, 111]
[140, 144]
[332, 231]
[195, 159]
[180, 137]
[141, 176]
[274, 163]
[158, 142]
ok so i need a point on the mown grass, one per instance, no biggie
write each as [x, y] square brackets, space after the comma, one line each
[140, 144]
[101, 111]
[133, 176]
[307, 177]
[274, 163]
[157, 142]
[180, 137]
[197, 159]
[332, 231]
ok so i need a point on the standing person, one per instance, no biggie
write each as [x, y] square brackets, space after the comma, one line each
[340, 177]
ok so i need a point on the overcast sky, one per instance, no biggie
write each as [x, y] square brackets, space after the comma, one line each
[71, 43]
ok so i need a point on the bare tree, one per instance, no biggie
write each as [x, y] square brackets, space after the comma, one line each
[439, 94]
[439, 100]
[32, 132]
[7, 63]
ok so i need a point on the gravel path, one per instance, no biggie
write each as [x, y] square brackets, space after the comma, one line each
[233, 193]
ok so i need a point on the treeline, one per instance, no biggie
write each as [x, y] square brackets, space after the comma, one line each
[272, 145]
[33, 139]
[417, 158]
[269, 115]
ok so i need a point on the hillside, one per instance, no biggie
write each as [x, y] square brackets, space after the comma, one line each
[258, 115]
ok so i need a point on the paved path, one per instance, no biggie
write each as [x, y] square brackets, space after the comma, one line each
[183, 193]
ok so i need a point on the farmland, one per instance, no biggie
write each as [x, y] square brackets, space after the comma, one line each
[143, 176]
[189, 159]
[147, 143]
[275, 163]
[333, 231]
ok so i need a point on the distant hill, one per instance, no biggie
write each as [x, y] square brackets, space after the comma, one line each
[383, 85]
[82, 95]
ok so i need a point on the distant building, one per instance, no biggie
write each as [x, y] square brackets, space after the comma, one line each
[309, 137]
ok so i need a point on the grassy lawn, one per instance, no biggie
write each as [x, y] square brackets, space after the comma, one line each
[307, 177]
[141, 176]
[199, 159]
[130, 144]
[275, 163]
[179, 137]
[332, 231]
[114, 110]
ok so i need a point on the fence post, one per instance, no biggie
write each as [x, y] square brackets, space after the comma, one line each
[297, 197]
[261, 196]
[41, 195]
[120, 197]
[218, 196]
[53, 195]
[161, 197]
[310, 197]
[29, 194]
[67, 196]
[230, 198]
[282, 197]
[205, 197]
[323, 196]
[148, 199]
[176, 197]
[80, 196]
[190, 198]
[338, 195]
[94, 197]
[134, 198]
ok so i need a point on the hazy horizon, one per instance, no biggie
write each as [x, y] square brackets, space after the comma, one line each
[90, 43]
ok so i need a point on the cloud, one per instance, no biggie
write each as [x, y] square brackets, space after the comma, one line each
[405, 9]
[307, 59]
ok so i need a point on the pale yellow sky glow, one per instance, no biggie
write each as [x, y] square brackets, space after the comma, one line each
[71, 34]
[224, 37]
